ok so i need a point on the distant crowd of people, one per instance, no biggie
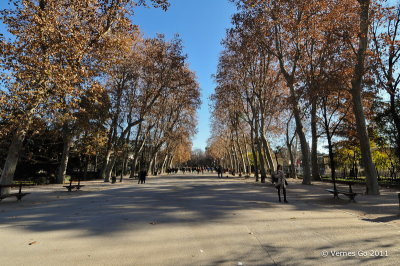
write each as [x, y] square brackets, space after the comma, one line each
[199, 169]
[278, 177]
[202, 169]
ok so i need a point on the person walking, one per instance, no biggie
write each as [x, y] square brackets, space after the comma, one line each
[219, 171]
[281, 183]
[142, 177]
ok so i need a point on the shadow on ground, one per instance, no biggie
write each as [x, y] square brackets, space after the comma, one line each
[163, 200]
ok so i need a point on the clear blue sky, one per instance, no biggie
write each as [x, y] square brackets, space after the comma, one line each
[201, 24]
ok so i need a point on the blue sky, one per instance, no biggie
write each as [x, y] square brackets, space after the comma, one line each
[201, 24]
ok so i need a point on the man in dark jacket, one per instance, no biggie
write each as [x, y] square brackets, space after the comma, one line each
[142, 177]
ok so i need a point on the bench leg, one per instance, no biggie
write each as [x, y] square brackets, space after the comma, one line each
[336, 195]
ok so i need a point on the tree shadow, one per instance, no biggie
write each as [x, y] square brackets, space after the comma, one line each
[383, 219]
[185, 201]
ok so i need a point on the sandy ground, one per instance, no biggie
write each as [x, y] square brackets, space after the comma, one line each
[198, 220]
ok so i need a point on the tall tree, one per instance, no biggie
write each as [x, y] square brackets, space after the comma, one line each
[356, 91]
[46, 59]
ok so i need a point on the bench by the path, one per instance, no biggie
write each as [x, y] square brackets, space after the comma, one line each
[78, 186]
[19, 195]
[350, 194]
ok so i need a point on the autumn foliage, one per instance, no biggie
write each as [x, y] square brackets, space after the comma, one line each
[116, 102]
[287, 65]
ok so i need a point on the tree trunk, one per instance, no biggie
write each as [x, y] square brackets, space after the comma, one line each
[296, 149]
[136, 157]
[265, 146]
[109, 168]
[267, 150]
[124, 166]
[246, 150]
[133, 167]
[105, 165]
[150, 166]
[289, 144]
[125, 157]
[396, 120]
[314, 143]
[260, 154]
[331, 159]
[62, 169]
[170, 160]
[7, 175]
[369, 168]
[253, 150]
[230, 159]
[242, 161]
[262, 163]
[235, 158]
[164, 164]
[356, 89]
[305, 152]
[292, 171]
[154, 170]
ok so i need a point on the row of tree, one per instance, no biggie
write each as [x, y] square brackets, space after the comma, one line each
[329, 65]
[82, 72]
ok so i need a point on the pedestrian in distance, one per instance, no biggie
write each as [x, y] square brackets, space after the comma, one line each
[142, 177]
[281, 183]
[219, 171]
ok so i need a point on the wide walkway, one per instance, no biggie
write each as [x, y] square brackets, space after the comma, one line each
[196, 220]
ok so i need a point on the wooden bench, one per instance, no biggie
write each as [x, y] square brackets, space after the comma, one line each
[350, 194]
[19, 195]
[70, 187]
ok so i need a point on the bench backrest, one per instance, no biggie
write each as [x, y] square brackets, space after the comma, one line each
[18, 184]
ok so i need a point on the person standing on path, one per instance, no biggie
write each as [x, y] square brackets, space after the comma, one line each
[142, 177]
[281, 183]
[219, 171]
